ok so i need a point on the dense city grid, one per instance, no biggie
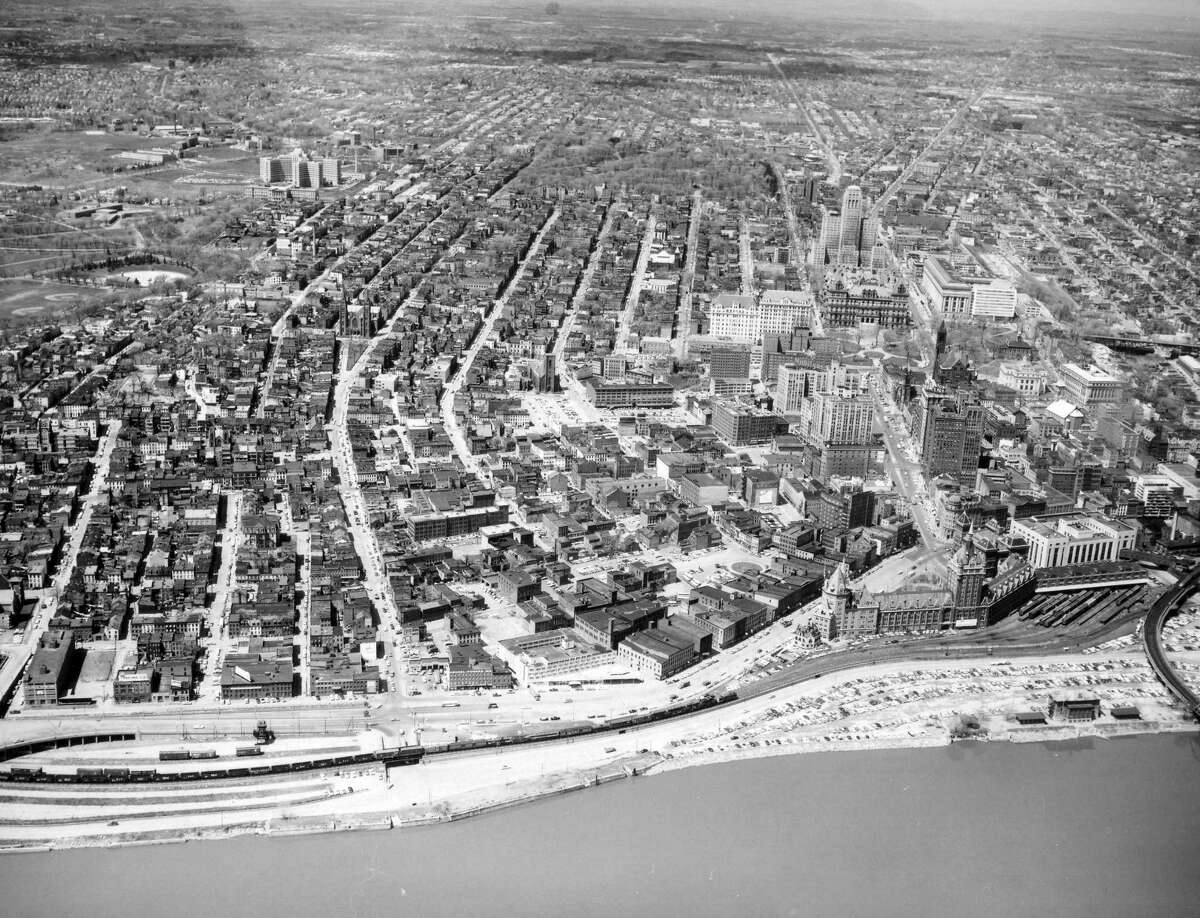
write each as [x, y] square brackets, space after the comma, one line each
[605, 387]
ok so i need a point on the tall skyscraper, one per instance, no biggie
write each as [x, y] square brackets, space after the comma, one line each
[839, 427]
[841, 419]
[802, 377]
[949, 432]
[848, 235]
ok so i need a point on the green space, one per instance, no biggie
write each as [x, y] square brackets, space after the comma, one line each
[26, 300]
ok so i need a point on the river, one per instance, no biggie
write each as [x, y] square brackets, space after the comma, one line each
[1104, 828]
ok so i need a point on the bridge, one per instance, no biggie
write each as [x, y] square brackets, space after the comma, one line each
[1164, 607]
[1143, 345]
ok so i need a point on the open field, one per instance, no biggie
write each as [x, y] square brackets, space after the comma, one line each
[74, 158]
[26, 299]
[32, 243]
[51, 157]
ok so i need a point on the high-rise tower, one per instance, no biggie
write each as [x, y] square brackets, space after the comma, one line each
[848, 235]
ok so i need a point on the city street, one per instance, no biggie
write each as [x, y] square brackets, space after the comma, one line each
[683, 320]
[17, 656]
[903, 464]
[454, 385]
[635, 288]
[216, 624]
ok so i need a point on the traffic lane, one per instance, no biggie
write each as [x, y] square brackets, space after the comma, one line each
[917, 648]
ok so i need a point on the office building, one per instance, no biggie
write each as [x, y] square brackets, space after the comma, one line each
[795, 382]
[994, 300]
[1027, 378]
[839, 419]
[49, 668]
[780, 349]
[949, 432]
[629, 395]
[729, 363]
[948, 293]
[1090, 385]
[1158, 493]
[741, 425]
[1073, 539]
[848, 234]
[838, 426]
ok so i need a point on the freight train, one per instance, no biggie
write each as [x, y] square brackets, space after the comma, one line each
[404, 755]
[615, 725]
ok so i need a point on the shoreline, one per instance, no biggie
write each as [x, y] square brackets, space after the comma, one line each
[561, 783]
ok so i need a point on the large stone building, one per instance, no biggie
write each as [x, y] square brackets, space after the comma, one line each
[970, 599]
[948, 293]
[958, 295]
[851, 297]
[748, 319]
[1024, 376]
[1090, 385]
[1074, 539]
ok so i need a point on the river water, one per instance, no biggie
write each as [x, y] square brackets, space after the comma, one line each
[1104, 828]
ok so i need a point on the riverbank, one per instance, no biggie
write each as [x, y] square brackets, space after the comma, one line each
[1091, 828]
[888, 707]
[519, 793]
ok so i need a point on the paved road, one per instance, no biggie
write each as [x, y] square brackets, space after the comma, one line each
[683, 320]
[831, 158]
[18, 655]
[745, 256]
[1012, 638]
[905, 472]
[900, 179]
[625, 322]
[1166, 606]
[106, 365]
[449, 418]
[358, 519]
[233, 719]
[565, 376]
[217, 616]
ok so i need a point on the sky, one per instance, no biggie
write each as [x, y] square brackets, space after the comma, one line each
[1148, 12]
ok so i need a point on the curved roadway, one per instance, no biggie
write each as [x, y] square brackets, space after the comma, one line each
[1166, 606]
